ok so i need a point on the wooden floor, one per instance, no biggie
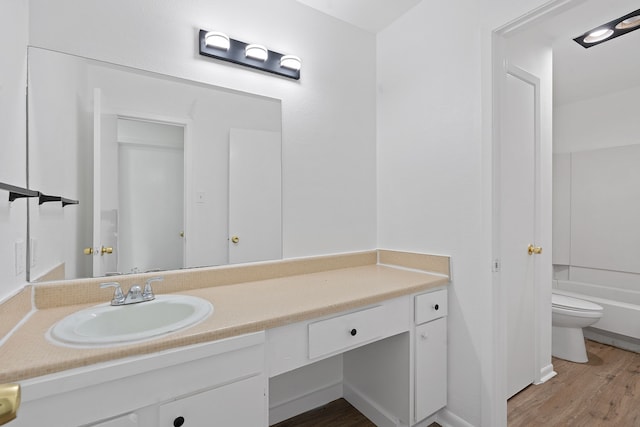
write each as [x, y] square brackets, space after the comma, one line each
[338, 413]
[603, 392]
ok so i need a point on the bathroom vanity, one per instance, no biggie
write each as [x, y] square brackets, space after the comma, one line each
[384, 326]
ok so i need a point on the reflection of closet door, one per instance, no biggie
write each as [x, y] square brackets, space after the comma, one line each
[151, 208]
[255, 196]
[150, 195]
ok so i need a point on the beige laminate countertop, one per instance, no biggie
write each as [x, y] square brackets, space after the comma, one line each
[238, 309]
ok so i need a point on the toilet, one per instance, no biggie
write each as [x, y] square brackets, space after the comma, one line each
[568, 316]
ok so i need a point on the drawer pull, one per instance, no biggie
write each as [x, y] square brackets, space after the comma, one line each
[353, 332]
[436, 307]
[178, 422]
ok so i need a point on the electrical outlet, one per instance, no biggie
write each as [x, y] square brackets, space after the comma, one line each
[21, 254]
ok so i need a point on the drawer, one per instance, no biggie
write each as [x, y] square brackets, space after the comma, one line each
[346, 331]
[431, 306]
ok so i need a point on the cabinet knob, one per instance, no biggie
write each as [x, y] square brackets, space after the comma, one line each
[424, 335]
[178, 422]
[353, 332]
[436, 307]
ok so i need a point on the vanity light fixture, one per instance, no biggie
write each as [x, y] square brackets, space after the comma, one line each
[250, 55]
[291, 62]
[256, 51]
[610, 30]
[217, 40]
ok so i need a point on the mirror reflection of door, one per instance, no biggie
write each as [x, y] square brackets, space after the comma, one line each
[139, 187]
[150, 219]
[255, 182]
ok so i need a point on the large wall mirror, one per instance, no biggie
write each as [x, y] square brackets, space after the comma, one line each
[168, 173]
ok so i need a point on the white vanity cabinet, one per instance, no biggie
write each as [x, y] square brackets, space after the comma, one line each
[238, 404]
[205, 384]
[430, 383]
[392, 360]
[129, 420]
[388, 359]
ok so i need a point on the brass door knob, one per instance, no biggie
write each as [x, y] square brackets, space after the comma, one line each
[106, 250]
[235, 239]
[534, 250]
[9, 402]
[87, 251]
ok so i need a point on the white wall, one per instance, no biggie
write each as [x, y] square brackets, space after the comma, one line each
[13, 77]
[601, 122]
[328, 116]
[596, 150]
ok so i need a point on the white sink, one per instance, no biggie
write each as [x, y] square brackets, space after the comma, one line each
[106, 325]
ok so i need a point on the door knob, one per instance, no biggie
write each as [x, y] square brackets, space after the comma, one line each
[106, 250]
[235, 239]
[87, 251]
[534, 250]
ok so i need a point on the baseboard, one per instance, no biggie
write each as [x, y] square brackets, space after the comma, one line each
[612, 339]
[297, 405]
[369, 408]
[427, 421]
[546, 374]
[446, 418]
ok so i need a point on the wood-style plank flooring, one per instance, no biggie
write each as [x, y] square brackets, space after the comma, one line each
[603, 392]
[338, 413]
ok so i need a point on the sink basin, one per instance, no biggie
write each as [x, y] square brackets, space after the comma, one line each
[106, 325]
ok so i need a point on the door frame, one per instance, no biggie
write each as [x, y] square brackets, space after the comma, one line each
[498, 68]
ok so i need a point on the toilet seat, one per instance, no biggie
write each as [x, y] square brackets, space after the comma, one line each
[565, 303]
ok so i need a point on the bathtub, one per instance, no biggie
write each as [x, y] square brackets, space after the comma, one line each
[621, 314]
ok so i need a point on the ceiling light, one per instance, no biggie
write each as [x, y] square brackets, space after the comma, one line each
[291, 62]
[610, 30]
[632, 22]
[217, 40]
[598, 35]
[256, 51]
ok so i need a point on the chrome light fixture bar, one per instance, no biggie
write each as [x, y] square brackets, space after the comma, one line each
[610, 30]
[249, 55]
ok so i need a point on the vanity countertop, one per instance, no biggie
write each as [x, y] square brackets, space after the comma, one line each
[238, 309]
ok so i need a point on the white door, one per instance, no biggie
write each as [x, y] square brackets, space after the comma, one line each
[517, 224]
[104, 219]
[151, 205]
[255, 196]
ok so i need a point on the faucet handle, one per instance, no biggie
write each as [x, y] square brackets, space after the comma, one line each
[118, 296]
[147, 294]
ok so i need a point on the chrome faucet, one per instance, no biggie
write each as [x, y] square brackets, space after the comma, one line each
[135, 295]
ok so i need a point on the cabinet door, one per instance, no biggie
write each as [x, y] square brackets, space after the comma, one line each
[239, 404]
[430, 368]
[130, 420]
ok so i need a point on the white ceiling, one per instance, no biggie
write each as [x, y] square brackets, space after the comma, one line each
[579, 73]
[370, 15]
